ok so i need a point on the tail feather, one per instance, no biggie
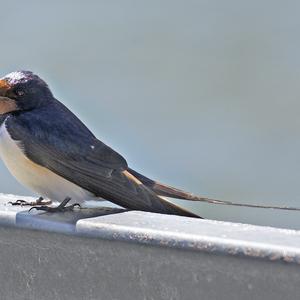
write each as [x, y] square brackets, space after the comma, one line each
[163, 189]
[158, 203]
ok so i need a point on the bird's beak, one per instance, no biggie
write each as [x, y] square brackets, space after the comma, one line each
[6, 104]
[4, 87]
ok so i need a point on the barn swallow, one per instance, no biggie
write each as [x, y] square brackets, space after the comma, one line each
[49, 150]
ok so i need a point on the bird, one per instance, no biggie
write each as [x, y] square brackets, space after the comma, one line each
[50, 150]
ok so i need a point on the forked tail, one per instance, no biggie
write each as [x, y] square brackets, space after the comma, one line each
[168, 191]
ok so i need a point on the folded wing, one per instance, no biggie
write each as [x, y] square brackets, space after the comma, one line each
[71, 151]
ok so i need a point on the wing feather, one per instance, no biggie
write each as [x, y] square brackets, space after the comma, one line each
[70, 150]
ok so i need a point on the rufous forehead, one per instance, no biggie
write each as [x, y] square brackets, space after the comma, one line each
[4, 84]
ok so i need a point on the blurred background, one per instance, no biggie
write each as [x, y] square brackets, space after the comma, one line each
[202, 95]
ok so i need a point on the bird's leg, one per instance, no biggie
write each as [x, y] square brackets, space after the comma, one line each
[60, 208]
[39, 201]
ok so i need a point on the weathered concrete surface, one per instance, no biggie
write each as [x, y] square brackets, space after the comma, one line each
[196, 235]
[42, 265]
[135, 255]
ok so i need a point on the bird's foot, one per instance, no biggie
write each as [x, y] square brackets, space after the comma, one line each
[39, 201]
[60, 208]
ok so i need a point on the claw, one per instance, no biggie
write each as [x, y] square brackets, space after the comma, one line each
[19, 202]
[60, 208]
[39, 201]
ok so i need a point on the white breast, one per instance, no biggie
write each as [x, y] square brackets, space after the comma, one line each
[39, 179]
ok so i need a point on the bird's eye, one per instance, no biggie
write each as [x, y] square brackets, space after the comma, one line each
[19, 93]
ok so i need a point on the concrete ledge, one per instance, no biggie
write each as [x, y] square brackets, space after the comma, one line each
[160, 230]
[122, 254]
[196, 235]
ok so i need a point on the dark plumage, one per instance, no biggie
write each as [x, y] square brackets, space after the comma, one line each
[53, 137]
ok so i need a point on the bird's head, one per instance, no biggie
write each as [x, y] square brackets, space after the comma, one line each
[22, 90]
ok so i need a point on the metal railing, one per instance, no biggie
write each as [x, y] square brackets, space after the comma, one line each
[107, 253]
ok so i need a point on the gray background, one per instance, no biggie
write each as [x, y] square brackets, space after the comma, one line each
[203, 95]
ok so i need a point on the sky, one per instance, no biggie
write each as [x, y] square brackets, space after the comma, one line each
[201, 95]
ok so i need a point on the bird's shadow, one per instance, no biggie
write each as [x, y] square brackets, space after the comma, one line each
[61, 221]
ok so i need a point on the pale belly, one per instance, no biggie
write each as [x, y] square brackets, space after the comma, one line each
[37, 178]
